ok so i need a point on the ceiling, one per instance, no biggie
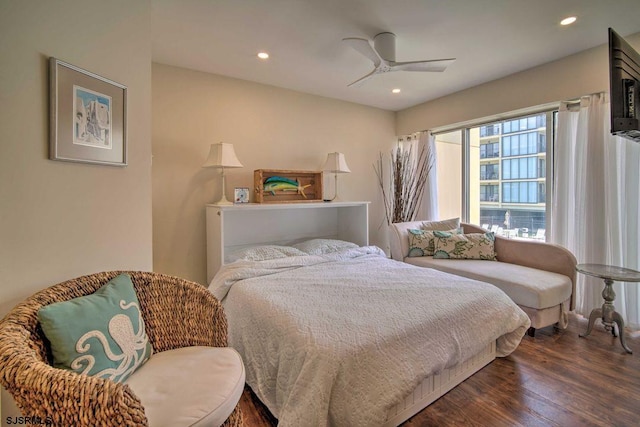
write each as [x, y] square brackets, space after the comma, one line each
[489, 38]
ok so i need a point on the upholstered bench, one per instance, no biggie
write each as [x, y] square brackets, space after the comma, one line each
[538, 276]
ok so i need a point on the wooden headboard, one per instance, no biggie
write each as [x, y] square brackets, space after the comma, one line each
[230, 227]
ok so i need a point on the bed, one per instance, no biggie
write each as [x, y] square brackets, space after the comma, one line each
[334, 333]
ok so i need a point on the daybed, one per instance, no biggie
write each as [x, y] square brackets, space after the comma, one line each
[336, 334]
[540, 277]
[190, 378]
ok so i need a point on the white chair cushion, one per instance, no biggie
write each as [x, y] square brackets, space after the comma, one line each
[526, 286]
[190, 386]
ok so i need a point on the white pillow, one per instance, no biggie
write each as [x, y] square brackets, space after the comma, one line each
[324, 246]
[442, 225]
[264, 252]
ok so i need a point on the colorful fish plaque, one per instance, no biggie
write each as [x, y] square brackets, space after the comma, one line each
[287, 186]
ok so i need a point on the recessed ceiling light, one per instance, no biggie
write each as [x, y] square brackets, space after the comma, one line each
[396, 91]
[568, 21]
[263, 55]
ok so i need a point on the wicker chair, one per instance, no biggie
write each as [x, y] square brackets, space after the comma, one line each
[177, 313]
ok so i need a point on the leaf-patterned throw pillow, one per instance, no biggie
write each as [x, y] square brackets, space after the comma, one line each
[100, 334]
[421, 241]
[464, 246]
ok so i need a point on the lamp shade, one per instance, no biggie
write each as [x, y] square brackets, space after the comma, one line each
[336, 163]
[222, 155]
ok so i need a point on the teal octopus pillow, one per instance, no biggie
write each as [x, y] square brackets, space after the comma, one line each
[101, 334]
[464, 246]
[421, 241]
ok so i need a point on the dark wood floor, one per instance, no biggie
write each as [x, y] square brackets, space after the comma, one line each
[554, 379]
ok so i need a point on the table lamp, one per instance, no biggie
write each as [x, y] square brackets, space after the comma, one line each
[335, 164]
[222, 156]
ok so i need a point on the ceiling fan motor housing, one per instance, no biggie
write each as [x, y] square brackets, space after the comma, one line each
[385, 45]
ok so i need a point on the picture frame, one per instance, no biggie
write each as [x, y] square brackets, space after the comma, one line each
[87, 116]
[241, 195]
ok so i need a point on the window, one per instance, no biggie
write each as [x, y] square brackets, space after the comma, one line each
[490, 130]
[501, 167]
[523, 144]
[522, 168]
[538, 121]
[489, 193]
[542, 168]
[521, 192]
[489, 150]
[542, 192]
[489, 171]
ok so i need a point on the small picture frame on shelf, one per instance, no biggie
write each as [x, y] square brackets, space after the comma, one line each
[241, 195]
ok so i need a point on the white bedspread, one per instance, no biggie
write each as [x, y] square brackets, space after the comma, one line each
[338, 339]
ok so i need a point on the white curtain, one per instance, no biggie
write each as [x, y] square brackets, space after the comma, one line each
[425, 142]
[595, 201]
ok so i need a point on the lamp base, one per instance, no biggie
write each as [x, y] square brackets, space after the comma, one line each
[223, 199]
[335, 198]
[223, 202]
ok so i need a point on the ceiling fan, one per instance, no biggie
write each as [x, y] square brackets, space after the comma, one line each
[383, 56]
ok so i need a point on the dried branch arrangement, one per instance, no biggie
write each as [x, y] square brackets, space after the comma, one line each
[403, 189]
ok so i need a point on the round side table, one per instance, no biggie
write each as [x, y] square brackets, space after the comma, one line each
[610, 317]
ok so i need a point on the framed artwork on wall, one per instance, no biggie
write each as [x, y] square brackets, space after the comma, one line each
[241, 195]
[87, 116]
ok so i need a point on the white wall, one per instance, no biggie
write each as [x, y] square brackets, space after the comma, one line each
[568, 78]
[59, 220]
[270, 128]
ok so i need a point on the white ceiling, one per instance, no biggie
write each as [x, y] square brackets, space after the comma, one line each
[489, 38]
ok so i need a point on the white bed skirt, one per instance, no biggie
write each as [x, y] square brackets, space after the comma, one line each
[433, 387]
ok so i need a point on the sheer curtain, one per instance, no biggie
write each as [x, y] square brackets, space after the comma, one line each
[595, 201]
[419, 142]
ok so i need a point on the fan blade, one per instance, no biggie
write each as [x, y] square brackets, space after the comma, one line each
[362, 79]
[436, 65]
[364, 47]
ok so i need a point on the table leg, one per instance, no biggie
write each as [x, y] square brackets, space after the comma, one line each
[595, 314]
[607, 310]
[618, 319]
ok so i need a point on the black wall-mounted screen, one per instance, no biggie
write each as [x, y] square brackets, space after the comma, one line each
[624, 79]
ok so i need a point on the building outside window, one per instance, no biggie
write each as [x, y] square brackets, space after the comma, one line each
[495, 175]
[520, 174]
